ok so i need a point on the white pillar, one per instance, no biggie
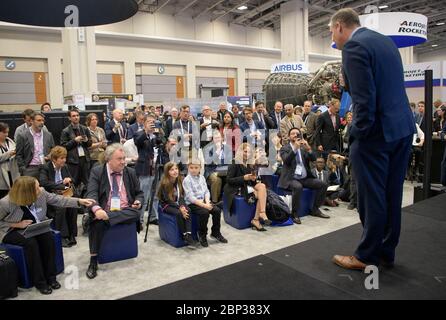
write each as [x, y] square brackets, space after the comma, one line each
[55, 80]
[294, 31]
[130, 76]
[407, 55]
[79, 56]
[241, 81]
[191, 81]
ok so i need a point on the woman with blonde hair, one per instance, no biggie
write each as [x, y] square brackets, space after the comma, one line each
[242, 178]
[26, 204]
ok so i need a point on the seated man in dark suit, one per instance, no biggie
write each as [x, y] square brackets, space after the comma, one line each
[296, 174]
[115, 188]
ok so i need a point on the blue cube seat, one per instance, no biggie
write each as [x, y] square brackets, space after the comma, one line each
[306, 200]
[169, 230]
[242, 213]
[17, 253]
[119, 243]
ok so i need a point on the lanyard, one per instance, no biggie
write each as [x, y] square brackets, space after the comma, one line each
[182, 129]
[111, 182]
[33, 210]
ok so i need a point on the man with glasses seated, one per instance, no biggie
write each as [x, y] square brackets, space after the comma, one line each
[296, 174]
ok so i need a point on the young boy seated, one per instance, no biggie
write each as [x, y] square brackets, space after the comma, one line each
[198, 200]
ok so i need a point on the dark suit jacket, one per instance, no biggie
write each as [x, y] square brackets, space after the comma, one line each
[111, 136]
[325, 177]
[25, 148]
[373, 72]
[235, 183]
[310, 122]
[168, 127]
[67, 141]
[99, 187]
[326, 135]
[269, 123]
[131, 132]
[272, 115]
[169, 206]
[289, 165]
[145, 145]
[48, 177]
[245, 127]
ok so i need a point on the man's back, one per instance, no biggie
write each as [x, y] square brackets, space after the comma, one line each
[375, 78]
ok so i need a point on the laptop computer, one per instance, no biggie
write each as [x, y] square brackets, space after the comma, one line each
[36, 229]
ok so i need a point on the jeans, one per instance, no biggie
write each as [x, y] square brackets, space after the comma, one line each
[145, 183]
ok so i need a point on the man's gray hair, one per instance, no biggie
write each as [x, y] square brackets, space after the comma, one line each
[111, 149]
[347, 16]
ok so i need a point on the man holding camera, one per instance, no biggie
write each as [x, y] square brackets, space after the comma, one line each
[76, 139]
[116, 129]
[207, 125]
[148, 142]
[296, 174]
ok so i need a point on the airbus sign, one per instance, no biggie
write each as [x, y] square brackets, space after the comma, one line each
[290, 67]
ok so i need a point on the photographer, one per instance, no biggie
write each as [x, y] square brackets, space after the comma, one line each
[148, 143]
[116, 129]
[207, 126]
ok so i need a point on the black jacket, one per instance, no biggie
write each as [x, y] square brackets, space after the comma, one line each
[325, 135]
[235, 183]
[48, 174]
[169, 206]
[289, 165]
[67, 141]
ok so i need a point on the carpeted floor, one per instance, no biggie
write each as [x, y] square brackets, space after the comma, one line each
[304, 271]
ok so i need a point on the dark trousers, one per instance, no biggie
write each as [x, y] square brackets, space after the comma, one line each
[443, 169]
[79, 172]
[296, 186]
[99, 227]
[203, 218]
[65, 220]
[185, 225]
[40, 255]
[353, 188]
[379, 168]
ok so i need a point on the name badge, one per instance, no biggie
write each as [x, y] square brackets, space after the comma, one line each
[186, 142]
[42, 159]
[80, 151]
[298, 170]
[115, 204]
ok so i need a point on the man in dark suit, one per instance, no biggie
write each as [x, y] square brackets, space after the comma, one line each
[262, 116]
[168, 126]
[310, 119]
[137, 126]
[419, 118]
[33, 147]
[238, 115]
[253, 131]
[116, 129]
[76, 138]
[296, 174]
[115, 188]
[380, 136]
[327, 136]
[277, 115]
[207, 126]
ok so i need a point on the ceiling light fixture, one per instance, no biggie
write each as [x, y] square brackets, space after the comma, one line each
[434, 45]
[242, 8]
[383, 7]
[440, 23]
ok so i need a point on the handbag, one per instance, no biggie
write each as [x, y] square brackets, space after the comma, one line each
[68, 192]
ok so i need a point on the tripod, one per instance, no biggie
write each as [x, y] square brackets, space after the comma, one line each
[151, 198]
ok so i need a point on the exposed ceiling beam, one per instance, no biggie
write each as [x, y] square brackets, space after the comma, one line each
[190, 4]
[208, 9]
[161, 6]
[265, 17]
[257, 10]
[230, 10]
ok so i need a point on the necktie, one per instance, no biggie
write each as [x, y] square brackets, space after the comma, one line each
[58, 176]
[222, 155]
[262, 120]
[115, 187]
[298, 157]
[320, 175]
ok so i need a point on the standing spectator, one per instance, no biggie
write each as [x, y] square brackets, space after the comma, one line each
[440, 121]
[238, 115]
[46, 107]
[115, 189]
[222, 108]
[346, 131]
[290, 121]
[207, 126]
[116, 129]
[9, 170]
[328, 125]
[98, 140]
[170, 122]
[56, 178]
[296, 174]
[419, 118]
[436, 108]
[33, 147]
[262, 116]
[76, 139]
[187, 130]
[27, 115]
[138, 126]
[277, 115]
[231, 134]
[309, 119]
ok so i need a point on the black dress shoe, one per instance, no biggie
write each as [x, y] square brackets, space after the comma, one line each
[45, 290]
[387, 264]
[155, 222]
[318, 213]
[351, 206]
[189, 240]
[55, 285]
[66, 243]
[296, 220]
[73, 241]
[92, 271]
[203, 241]
[219, 237]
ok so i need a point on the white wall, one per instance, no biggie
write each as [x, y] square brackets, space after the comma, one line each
[438, 55]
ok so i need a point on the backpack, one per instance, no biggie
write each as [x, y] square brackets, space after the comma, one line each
[276, 208]
[8, 277]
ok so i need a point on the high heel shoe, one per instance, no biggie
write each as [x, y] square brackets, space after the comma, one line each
[255, 227]
[266, 221]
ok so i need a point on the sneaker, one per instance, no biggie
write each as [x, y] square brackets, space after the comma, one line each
[188, 239]
[203, 241]
[219, 238]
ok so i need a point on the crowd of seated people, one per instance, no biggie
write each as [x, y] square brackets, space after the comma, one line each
[196, 160]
